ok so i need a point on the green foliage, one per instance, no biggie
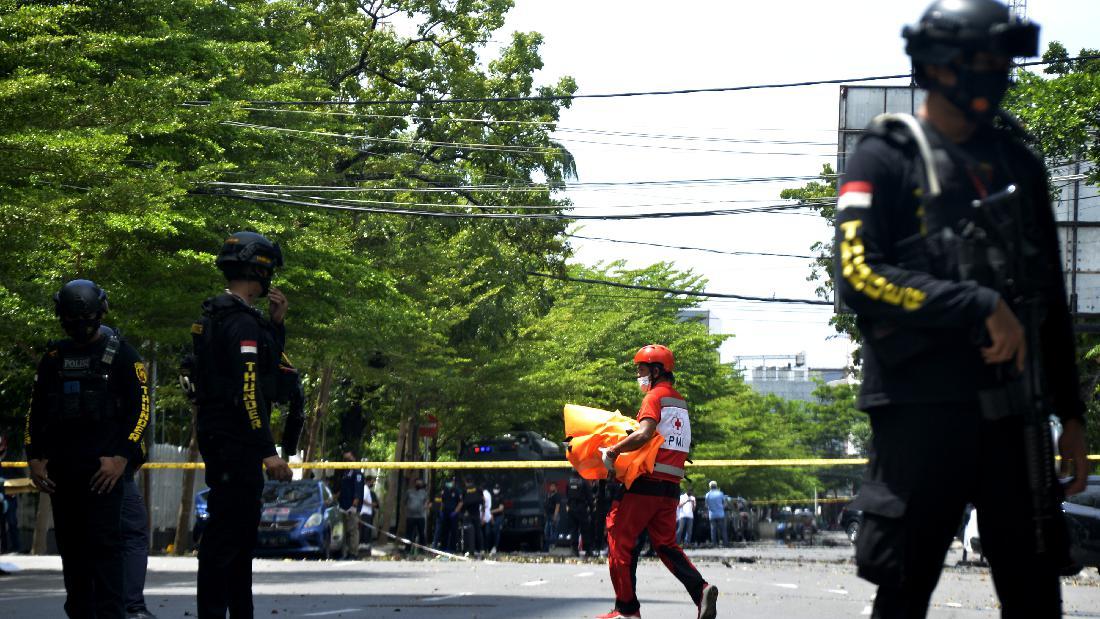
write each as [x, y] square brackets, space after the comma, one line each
[116, 117]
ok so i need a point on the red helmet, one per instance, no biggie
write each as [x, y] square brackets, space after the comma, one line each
[656, 353]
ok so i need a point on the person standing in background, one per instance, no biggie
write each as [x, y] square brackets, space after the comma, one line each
[416, 515]
[366, 513]
[350, 494]
[716, 514]
[685, 516]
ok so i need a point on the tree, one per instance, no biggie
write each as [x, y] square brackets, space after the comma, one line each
[111, 165]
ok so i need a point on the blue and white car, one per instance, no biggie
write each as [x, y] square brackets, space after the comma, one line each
[297, 518]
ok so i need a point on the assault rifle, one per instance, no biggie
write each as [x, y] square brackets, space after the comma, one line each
[995, 252]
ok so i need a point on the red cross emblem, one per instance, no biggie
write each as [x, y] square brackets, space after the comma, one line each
[678, 424]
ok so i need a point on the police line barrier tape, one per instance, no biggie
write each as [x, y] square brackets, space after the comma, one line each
[514, 464]
[411, 543]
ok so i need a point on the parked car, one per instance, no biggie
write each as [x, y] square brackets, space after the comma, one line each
[297, 518]
[850, 520]
[1083, 519]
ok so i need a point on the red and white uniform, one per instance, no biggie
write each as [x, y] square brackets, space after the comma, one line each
[651, 502]
[667, 407]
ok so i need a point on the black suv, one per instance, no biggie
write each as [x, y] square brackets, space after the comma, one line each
[850, 519]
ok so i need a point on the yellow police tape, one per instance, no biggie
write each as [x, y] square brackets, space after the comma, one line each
[514, 464]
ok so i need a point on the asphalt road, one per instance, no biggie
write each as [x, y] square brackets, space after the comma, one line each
[758, 581]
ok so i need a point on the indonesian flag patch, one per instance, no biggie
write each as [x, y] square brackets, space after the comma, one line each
[248, 347]
[854, 194]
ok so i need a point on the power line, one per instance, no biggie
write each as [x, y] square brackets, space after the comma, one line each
[272, 199]
[590, 185]
[643, 93]
[609, 95]
[702, 249]
[691, 293]
[509, 148]
[292, 191]
[548, 123]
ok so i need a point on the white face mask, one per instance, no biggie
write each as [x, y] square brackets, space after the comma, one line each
[643, 383]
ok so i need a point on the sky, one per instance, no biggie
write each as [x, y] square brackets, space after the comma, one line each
[620, 45]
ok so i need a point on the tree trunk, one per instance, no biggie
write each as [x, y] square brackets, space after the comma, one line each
[391, 508]
[182, 542]
[320, 408]
[42, 521]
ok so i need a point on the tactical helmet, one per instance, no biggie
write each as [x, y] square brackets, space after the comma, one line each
[656, 353]
[250, 256]
[80, 298]
[80, 305]
[950, 28]
[952, 33]
[249, 248]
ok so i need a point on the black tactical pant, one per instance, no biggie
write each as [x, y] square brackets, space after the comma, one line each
[135, 545]
[89, 537]
[225, 551]
[927, 462]
[579, 526]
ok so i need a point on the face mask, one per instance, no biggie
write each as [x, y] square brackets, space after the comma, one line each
[978, 93]
[496, 490]
[419, 486]
[81, 330]
[450, 484]
[643, 383]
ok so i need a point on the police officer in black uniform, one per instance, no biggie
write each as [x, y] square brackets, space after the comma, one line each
[85, 431]
[578, 503]
[236, 356]
[947, 252]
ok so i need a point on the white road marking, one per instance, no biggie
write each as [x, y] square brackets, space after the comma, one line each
[837, 591]
[332, 612]
[534, 583]
[953, 605]
[28, 597]
[785, 585]
[583, 574]
[866, 610]
[440, 598]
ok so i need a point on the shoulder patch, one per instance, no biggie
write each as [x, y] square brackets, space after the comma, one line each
[854, 194]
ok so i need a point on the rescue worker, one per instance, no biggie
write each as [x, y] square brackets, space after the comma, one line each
[85, 433]
[945, 347]
[578, 503]
[649, 504]
[237, 352]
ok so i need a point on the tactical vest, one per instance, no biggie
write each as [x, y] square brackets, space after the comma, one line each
[199, 372]
[205, 379]
[85, 381]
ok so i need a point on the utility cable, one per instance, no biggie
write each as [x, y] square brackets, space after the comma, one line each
[609, 95]
[488, 122]
[272, 199]
[294, 193]
[509, 148]
[702, 249]
[692, 293]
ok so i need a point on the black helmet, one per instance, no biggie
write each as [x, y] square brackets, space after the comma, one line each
[951, 33]
[80, 298]
[950, 28]
[80, 305]
[249, 248]
[250, 256]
